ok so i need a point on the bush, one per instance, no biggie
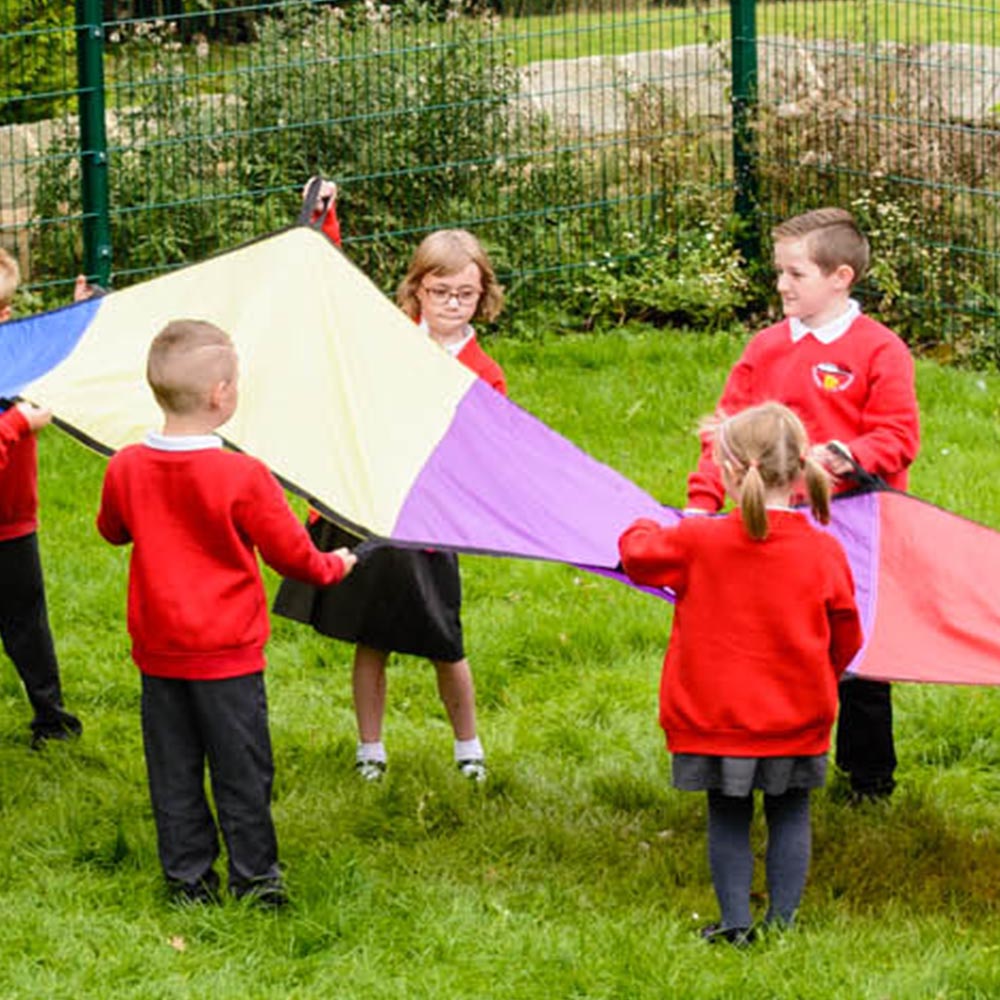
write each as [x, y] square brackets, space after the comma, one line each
[36, 46]
[864, 133]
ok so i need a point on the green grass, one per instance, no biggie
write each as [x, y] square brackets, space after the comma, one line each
[646, 27]
[577, 871]
[637, 27]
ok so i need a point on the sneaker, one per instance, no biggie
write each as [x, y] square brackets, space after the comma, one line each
[62, 726]
[370, 770]
[204, 890]
[741, 937]
[474, 769]
[269, 895]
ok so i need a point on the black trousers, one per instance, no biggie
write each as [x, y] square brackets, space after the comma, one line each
[224, 723]
[24, 627]
[865, 747]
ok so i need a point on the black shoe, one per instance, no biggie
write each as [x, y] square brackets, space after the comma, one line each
[204, 890]
[877, 790]
[61, 725]
[270, 895]
[740, 937]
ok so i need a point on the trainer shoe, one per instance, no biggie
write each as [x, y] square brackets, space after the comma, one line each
[740, 937]
[370, 770]
[474, 769]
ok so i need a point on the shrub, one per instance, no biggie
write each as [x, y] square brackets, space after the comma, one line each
[867, 133]
[36, 47]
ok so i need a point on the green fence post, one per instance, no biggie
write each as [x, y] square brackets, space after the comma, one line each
[93, 140]
[743, 22]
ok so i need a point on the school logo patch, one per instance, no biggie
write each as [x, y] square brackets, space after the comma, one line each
[832, 378]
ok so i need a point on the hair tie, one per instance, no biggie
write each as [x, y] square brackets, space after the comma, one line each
[753, 464]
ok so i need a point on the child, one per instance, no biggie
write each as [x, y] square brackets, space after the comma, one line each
[197, 614]
[400, 599]
[764, 626]
[24, 620]
[851, 380]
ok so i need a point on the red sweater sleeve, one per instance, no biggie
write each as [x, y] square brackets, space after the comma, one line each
[110, 523]
[846, 637]
[284, 544]
[13, 427]
[477, 360]
[331, 224]
[705, 489]
[653, 555]
[888, 435]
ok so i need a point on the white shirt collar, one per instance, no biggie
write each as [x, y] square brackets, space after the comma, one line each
[829, 332]
[453, 349]
[182, 442]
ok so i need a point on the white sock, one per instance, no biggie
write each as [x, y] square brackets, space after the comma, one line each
[469, 749]
[371, 751]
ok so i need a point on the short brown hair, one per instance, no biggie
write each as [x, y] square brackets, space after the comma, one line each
[10, 278]
[446, 252]
[186, 359]
[832, 239]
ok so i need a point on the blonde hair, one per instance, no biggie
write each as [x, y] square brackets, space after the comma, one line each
[187, 358]
[10, 278]
[766, 447]
[832, 239]
[443, 253]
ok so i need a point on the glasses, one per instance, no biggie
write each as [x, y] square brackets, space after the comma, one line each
[441, 294]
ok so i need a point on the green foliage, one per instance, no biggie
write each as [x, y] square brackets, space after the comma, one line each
[36, 53]
[694, 279]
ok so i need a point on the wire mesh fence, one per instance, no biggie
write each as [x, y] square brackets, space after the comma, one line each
[572, 137]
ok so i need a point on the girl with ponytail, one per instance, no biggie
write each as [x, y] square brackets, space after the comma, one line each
[765, 624]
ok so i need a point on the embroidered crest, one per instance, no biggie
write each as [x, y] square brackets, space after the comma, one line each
[831, 377]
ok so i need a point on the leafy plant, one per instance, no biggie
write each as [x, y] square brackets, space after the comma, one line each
[36, 47]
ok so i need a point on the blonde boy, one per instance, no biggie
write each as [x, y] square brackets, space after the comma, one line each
[196, 516]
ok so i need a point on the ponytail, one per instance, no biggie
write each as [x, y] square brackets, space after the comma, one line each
[818, 488]
[752, 506]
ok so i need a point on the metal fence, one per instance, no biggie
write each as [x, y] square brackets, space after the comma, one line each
[568, 134]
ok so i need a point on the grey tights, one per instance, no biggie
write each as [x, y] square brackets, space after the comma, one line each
[789, 841]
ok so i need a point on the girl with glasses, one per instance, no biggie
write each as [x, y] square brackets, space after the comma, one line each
[403, 600]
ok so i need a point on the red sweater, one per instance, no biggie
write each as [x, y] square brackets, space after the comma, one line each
[18, 476]
[762, 632]
[859, 390]
[196, 602]
[478, 361]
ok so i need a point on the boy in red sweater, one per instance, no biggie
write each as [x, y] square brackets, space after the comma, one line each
[851, 380]
[24, 620]
[749, 688]
[196, 516]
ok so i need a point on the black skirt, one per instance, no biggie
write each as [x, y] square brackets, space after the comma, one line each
[395, 600]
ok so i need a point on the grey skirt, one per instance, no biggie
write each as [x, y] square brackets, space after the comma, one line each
[739, 776]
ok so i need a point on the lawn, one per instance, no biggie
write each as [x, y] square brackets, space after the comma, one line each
[618, 29]
[576, 871]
